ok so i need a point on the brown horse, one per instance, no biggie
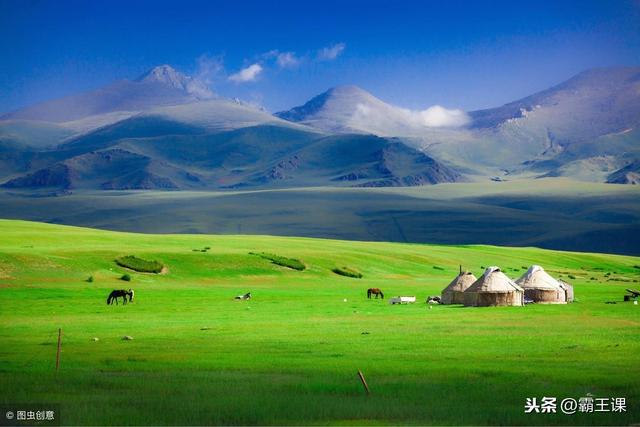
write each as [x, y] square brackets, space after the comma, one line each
[374, 291]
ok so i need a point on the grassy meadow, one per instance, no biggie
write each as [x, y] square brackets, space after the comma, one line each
[290, 355]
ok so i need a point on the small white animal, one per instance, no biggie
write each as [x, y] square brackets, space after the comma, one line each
[402, 300]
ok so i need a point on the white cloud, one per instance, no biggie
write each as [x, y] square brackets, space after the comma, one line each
[437, 116]
[247, 74]
[282, 59]
[387, 119]
[287, 60]
[330, 53]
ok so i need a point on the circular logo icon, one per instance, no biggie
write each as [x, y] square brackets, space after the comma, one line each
[9, 415]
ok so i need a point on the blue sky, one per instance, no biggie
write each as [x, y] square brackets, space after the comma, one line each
[457, 54]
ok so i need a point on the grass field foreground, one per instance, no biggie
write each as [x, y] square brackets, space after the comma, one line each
[290, 355]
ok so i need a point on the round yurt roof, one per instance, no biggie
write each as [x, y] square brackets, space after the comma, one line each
[461, 282]
[494, 280]
[537, 278]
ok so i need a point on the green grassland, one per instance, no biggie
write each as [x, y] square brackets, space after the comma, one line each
[290, 355]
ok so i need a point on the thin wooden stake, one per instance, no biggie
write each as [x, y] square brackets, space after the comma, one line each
[364, 382]
[58, 352]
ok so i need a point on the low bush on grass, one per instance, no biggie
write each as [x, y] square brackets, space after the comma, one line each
[139, 264]
[292, 263]
[436, 267]
[347, 272]
[89, 279]
[126, 278]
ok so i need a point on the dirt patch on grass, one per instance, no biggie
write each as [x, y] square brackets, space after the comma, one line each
[165, 270]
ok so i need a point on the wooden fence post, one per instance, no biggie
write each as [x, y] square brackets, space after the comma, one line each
[58, 352]
[364, 382]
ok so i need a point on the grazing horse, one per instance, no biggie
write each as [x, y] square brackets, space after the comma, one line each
[115, 294]
[374, 291]
[244, 297]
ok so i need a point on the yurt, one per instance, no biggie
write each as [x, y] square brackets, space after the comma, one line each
[454, 292]
[493, 288]
[540, 287]
[568, 289]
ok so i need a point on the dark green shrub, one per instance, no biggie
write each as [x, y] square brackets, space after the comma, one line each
[126, 278]
[437, 267]
[292, 263]
[571, 276]
[139, 264]
[90, 279]
[347, 272]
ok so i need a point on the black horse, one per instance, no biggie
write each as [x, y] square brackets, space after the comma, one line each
[115, 294]
[374, 291]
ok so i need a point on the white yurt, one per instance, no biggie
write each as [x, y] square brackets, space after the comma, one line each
[493, 288]
[568, 289]
[454, 292]
[540, 287]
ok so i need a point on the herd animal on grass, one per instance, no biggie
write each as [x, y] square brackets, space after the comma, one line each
[374, 291]
[120, 293]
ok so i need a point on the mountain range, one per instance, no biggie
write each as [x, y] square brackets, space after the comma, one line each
[166, 130]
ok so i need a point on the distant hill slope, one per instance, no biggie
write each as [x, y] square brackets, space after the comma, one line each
[552, 213]
[593, 103]
[154, 153]
[593, 116]
[349, 109]
[160, 86]
[586, 128]
[344, 109]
